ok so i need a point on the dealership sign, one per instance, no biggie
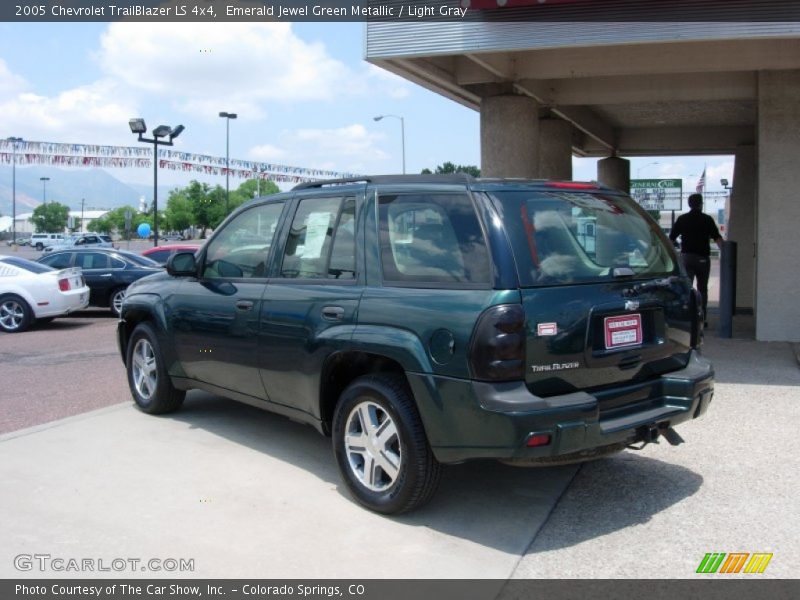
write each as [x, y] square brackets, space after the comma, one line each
[657, 194]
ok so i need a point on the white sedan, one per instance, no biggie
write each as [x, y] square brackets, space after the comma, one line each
[30, 291]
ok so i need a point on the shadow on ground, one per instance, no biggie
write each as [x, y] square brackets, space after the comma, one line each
[485, 502]
[613, 494]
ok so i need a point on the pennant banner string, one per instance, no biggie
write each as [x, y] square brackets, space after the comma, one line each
[88, 155]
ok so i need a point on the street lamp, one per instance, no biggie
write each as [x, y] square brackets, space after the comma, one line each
[402, 135]
[162, 131]
[44, 181]
[227, 116]
[14, 141]
[639, 170]
[724, 183]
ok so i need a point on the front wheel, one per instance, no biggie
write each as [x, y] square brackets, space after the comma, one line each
[15, 314]
[149, 382]
[381, 447]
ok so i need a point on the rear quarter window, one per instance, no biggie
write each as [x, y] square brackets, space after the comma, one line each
[432, 239]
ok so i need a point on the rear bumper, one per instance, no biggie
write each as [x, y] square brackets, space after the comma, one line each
[468, 419]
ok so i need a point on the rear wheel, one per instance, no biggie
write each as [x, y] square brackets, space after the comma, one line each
[149, 382]
[39, 246]
[381, 447]
[15, 314]
[115, 300]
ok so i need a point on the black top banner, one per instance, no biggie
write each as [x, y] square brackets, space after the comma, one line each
[778, 11]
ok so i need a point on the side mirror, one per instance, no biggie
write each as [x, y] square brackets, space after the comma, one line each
[182, 264]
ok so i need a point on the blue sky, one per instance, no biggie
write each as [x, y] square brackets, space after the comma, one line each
[303, 93]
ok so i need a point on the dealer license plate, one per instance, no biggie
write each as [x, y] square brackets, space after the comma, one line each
[623, 330]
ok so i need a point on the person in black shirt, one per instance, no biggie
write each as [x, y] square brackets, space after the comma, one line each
[695, 229]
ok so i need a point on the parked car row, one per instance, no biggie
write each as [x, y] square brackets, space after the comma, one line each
[108, 272]
[105, 273]
[31, 292]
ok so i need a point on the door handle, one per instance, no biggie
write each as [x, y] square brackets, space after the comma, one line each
[333, 313]
[105, 275]
[244, 305]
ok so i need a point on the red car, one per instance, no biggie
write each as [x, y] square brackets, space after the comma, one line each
[161, 254]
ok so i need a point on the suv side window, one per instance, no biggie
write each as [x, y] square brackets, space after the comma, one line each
[431, 238]
[242, 248]
[321, 243]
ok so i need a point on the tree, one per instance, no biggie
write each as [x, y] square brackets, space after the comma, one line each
[449, 167]
[50, 217]
[205, 209]
[114, 221]
[178, 215]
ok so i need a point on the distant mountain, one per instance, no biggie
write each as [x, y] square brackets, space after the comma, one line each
[97, 187]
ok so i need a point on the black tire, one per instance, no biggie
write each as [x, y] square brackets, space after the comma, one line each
[15, 314]
[115, 299]
[44, 320]
[148, 380]
[39, 246]
[407, 454]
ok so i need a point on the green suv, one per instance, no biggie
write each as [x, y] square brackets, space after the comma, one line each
[421, 320]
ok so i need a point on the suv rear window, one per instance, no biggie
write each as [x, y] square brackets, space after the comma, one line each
[568, 237]
[432, 238]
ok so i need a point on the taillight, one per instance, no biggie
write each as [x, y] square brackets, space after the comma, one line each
[497, 352]
[63, 285]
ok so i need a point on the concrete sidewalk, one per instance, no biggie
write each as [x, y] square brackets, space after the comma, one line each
[249, 494]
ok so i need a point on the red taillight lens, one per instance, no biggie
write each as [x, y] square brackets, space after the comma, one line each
[572, 185]
[541, 439]
[63, 285]
[497, 352]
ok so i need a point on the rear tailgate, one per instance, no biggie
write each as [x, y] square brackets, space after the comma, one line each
[585, 337]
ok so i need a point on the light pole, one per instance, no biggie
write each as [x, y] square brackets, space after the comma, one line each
[14, 141]
[162, 131]
[82, 201]
[227, 116]
[639, 170]
[402, 134]
[44, 181]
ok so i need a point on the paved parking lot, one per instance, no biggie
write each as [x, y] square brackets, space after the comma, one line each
[250, 494]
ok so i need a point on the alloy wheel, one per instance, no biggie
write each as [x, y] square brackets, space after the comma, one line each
[145, 370]
[11, 315]
[372, 446]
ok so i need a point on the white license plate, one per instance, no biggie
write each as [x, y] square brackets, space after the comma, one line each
[623, 330]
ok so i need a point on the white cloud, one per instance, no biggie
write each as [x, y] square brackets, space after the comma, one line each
[91, 112]
[388, 83]
[10, 83]
[715, 173]
[266, 152]
[354, 148]
[202, 66]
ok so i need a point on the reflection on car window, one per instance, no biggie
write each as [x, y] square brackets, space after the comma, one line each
[561, 237]
[321, 242]
[61, 260]
[91, 260]
[432, 238]
[241, 249]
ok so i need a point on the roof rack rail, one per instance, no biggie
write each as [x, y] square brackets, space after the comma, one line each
[321, 182]
[389, 179]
